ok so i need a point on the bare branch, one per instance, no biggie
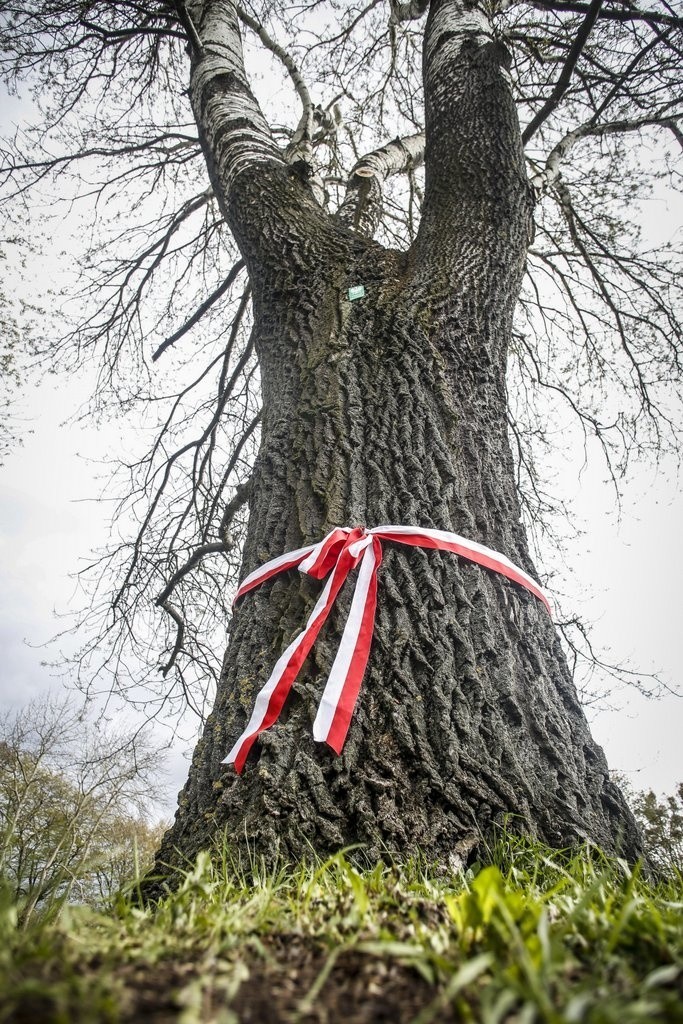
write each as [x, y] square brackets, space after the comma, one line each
[199, 313]
[410, 11]
[361, 208]
[675, 131]
[238, 501]
[544, 179]
[562, 83]
[190, 30]
[300, 146]
[621, 13]
[175, 614]
[218, 547]
[223, 546]
[234, 128]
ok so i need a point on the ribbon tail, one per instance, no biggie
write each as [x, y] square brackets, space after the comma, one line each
[269, 702]
[346, 675]
[273, 694]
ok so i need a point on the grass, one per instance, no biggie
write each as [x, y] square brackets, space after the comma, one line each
[532, 936]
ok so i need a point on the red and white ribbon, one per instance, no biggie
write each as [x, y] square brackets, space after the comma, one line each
[335, 556]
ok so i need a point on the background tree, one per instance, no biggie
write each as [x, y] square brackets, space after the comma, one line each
[661, 822]
[394, 408]
[15, 330]
[8, 372]
[74, 807]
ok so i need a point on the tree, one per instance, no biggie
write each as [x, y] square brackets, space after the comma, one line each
[391, 407]
[10, 349]
[74, 807]
[662, 825]
[661, 822]
[9, 373]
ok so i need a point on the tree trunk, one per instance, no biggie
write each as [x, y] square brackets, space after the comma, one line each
[392, 409]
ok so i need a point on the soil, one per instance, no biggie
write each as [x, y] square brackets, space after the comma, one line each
[360, 989]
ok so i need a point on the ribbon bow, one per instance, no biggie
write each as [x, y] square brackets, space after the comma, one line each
[335, 556]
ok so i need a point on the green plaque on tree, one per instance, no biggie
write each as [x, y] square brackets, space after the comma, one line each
[357, 292]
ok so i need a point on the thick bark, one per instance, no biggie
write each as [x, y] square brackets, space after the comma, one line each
[392, 409]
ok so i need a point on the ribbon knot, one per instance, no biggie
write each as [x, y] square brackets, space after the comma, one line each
[327, 553]
[334, 557]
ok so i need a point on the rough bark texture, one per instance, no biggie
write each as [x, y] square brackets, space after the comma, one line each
[392, 409]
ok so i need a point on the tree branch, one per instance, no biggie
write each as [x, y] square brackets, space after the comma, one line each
[675, 131]
[550, 174]
[410, 11]
[361, 208]
[235, 131]
[214, 548]
[222, 546]
[625, 13]
[189, 27]
[565, 75]
[171, 610]
[238, 500]
[200, 311]
[300, 146]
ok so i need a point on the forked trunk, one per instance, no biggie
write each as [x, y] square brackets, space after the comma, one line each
[391, 409]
